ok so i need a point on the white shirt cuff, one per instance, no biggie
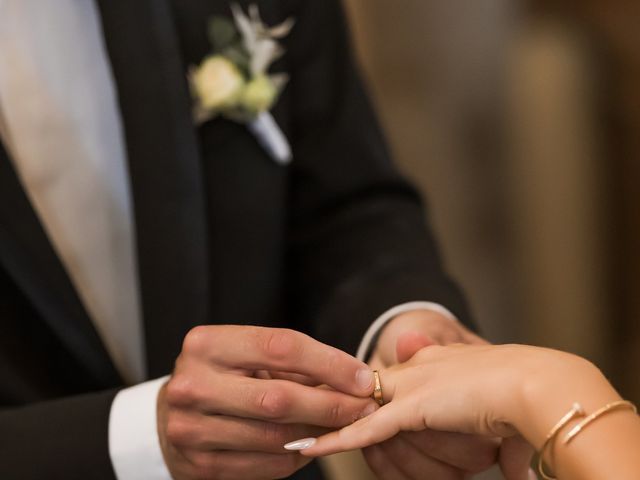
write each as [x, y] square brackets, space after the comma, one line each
[382, 320]
[134, 446]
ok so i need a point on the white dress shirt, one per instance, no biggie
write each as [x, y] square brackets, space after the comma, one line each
[60, 121]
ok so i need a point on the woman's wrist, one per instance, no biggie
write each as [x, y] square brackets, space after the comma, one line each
[551, 384]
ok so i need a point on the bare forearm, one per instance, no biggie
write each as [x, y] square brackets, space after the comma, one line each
[502, 391]
[607, 448]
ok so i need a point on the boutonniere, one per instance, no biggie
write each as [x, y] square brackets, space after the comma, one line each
[234, 80]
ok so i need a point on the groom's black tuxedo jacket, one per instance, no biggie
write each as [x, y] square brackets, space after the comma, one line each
[224, 234]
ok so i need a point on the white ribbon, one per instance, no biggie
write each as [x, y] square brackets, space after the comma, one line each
[271, 138]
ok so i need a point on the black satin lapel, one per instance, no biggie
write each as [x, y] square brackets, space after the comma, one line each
[26, 253]
[164, 164]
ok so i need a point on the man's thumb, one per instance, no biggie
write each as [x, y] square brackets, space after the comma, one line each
[409, 343]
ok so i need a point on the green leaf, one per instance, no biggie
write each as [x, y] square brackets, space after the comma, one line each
[222, 33]
[239, 57]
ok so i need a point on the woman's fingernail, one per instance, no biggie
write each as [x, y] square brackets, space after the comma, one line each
[532, 475]
[301, 444]
[364, 378]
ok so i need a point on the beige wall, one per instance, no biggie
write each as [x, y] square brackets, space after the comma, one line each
[490, 114]
[436, 72]
[493, 113]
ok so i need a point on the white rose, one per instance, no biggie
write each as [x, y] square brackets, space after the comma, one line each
[258, 94]
[217, 83]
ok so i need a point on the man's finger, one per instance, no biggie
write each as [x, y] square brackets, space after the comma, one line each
[472, 453]
[278, 349]
[293, 377]
[515, 458]
[473, 339]
[376, 428]
[409, 343]
[220, 432]
[414, 464]
[379, 463]
[243, 465]
[277, 401]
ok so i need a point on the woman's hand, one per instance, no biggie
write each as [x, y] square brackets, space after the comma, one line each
[457, 388]
[477, 389]
[428, 453]
[511, 391]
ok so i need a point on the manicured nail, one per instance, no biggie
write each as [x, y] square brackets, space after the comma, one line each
[364, 378]
[301, 444]
[532, 475]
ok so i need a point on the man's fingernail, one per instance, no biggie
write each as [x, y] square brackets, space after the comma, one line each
[301, 444]
[532, 475]
[364, 378]
[368, 410]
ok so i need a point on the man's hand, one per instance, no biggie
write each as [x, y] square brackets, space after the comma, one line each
[409, 332]
[428, 453]
[216, 419]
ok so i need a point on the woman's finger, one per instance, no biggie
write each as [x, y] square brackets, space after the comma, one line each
[377, 427]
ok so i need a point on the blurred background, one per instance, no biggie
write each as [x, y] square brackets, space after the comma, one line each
[520, 120]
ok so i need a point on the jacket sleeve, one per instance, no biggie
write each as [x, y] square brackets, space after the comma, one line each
[358, 239]
[64, 439]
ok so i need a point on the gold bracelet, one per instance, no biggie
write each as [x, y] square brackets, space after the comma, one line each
[609, 407]
[576, 411]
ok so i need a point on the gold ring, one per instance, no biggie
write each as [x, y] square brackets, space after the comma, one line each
[377, 389]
